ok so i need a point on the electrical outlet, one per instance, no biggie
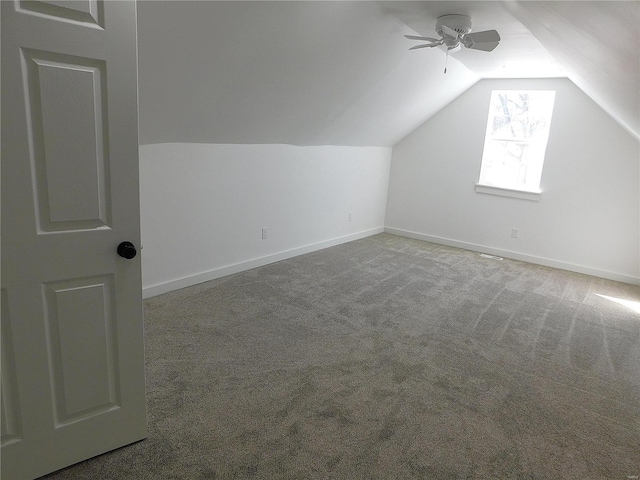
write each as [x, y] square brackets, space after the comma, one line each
[264, 233]
[515, 232]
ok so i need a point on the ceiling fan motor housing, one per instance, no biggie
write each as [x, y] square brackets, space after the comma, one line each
[460, 23]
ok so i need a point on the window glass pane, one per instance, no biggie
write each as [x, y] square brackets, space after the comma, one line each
[516, 139]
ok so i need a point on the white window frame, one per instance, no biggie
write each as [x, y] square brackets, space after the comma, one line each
[512, 189]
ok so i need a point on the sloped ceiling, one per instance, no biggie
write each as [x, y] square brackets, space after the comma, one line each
[340, 73]
[598, 44]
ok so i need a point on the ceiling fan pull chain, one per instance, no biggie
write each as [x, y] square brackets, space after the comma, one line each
[446, 61]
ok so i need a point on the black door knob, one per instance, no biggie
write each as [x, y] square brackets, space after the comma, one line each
[127, 250]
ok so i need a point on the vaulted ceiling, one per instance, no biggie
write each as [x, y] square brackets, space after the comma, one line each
[340, 73]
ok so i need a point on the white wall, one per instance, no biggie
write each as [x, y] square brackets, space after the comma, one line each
[587, 217]
[203, 206]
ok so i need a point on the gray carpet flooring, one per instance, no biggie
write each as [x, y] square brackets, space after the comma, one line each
[389, 358]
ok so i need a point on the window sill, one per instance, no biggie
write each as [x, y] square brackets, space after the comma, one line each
[509, 192]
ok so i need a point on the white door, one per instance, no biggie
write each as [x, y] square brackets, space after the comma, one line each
[72, 345]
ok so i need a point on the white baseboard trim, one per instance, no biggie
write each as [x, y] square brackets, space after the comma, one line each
[171, 285]
[547, 262]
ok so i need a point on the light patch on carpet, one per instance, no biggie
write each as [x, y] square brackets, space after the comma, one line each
[630, 304]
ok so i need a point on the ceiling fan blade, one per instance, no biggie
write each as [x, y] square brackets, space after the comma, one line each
[449, 32]
[426, 45]
[485, 47]
[485, 41]
[426, 39]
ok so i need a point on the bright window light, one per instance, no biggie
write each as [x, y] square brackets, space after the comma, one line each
[516, 139]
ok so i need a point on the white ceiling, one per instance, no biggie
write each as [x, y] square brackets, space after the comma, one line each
[340, 73]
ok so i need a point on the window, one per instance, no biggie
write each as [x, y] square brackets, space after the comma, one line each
[515, 142]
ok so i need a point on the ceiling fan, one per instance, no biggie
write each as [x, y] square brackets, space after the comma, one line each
[454, 33]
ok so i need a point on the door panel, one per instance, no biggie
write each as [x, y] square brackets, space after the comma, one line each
[73, 138]
[81, 347]
[72, 348]
[89, 11]
[9, 406]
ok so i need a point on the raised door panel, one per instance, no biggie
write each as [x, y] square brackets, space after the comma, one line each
[9, 402]
[85, 11]
[82, 347]
[68, 137]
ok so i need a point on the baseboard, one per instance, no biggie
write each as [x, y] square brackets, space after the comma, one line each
[169, 286]
[547, 262]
